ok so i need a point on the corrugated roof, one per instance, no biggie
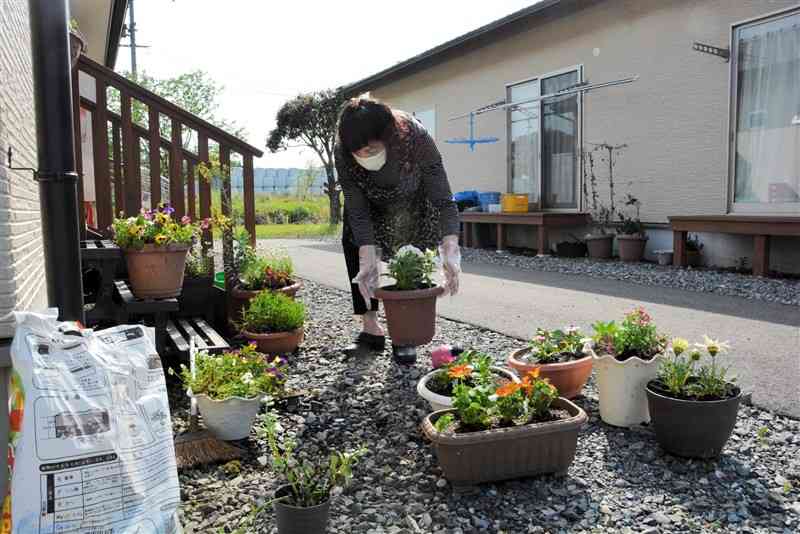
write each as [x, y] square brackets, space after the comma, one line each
[441, 52]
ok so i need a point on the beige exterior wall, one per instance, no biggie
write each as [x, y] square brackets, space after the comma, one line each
[674, 119]
[22, 281]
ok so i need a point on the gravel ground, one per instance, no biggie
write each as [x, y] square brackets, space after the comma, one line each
[781, 290]
[620, 481]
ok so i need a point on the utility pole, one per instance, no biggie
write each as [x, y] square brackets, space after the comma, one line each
[129, 31]
[132, 33]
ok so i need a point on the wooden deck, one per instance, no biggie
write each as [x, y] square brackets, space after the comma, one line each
[760, 227]
[543, 220]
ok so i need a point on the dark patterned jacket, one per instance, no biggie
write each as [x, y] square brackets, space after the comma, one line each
[407, 201]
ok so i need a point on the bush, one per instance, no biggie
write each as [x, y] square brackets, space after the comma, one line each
[270, 312]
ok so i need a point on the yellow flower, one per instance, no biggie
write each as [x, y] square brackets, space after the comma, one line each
[162, 218]
[161, 239]
[135, 229]
[680, 345]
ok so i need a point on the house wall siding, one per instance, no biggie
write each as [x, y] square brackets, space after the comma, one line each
[674, 119]
[22, 278]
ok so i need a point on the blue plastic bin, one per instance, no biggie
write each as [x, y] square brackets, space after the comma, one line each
[467, 196]
[489, 197]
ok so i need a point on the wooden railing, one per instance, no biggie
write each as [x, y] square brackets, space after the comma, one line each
[118, 167]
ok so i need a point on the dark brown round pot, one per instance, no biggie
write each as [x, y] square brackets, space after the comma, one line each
[692, 429]
[631, 247]
[240, 298]
[693, 258]
[277, 343]
[410, 315]
[300, 520]
[600, 246]
[567, 377]
[156, 272]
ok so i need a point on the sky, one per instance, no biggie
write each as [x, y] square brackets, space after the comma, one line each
[264, 52]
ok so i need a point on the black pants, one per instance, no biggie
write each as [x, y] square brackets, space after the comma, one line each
[351, 259]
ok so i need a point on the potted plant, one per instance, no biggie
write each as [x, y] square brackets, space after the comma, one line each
[77, 42]
[631, 237]
[230, 387]
[274, 322]
[273, 272]
[516, 430]
[471, 368]
[572, 249]
[155, 247]
[302, 505]
[558, 354]
[410, 303]
[196, 294]
[694, 250]
[600, 243]
[626, 356]
[693, 405]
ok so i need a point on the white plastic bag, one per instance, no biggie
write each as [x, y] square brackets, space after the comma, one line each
[92, 449]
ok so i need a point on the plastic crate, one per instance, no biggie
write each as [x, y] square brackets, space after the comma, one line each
[489, 197]
[514, 203]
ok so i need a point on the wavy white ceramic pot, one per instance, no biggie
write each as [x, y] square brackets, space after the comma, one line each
[441, 402]
[621, 387]
[229, 419]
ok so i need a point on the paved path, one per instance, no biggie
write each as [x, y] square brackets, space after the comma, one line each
[765, 337]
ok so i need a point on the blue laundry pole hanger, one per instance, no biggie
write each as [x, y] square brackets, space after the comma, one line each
[472, 140]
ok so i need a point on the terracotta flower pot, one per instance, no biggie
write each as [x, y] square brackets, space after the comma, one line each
[600, 246]
[156, 272]
[621, 388]
[299, 520]
[229, 419]
[692, 428]
[278, 342]
[631, 247]
[410, 315]
[567, 377]
[443, 402]
[505, 453]
[77, 46]
[240, 298]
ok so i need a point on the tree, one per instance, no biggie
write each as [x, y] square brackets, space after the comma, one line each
[310, 120]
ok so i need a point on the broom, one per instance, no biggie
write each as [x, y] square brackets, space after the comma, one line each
[196, 446]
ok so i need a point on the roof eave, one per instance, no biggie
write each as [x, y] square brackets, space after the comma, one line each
[441, 52]
[115, 31]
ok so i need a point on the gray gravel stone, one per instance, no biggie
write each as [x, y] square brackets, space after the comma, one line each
[620, 480]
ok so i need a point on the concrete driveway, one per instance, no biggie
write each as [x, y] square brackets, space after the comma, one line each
[765, 337]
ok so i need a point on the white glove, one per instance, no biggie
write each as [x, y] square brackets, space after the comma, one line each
[450, 253]
[369, 272]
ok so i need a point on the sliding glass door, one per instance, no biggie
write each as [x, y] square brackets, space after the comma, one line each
[543, 141]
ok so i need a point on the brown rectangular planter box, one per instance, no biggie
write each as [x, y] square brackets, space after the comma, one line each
[506, 453]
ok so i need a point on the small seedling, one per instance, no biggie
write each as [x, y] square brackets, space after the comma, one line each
[762, 434]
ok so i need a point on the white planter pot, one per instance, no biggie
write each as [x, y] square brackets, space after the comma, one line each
[440, 402]
[229, 419]
[621, 387]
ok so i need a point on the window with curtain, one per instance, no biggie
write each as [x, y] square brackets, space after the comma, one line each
[543, 141]
[767, 121]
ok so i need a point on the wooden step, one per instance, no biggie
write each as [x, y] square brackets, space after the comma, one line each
[180, 332]
[137, 306]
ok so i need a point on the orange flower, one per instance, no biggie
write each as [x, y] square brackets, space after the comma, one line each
[459, 371]
[534, 373]
[507, 389]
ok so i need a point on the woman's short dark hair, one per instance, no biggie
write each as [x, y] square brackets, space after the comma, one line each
[362, 120]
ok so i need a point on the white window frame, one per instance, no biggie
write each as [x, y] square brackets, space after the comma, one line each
[748, 208]
[579, 140]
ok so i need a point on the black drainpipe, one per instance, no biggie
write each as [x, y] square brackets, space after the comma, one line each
[58, 181]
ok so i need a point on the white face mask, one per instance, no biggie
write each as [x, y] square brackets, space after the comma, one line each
[374, 162]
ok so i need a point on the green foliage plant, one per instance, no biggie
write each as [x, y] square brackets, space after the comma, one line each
[550, 346]
[311, 482]
[636, 336]
[412, 268]
[271, 271]
[687, 376]
[271, 312]
[156, 227]
[244, 373]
